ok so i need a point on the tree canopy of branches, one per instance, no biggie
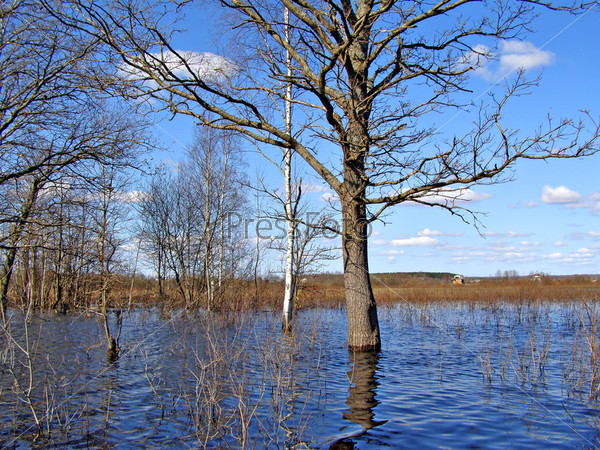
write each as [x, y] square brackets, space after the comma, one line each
[57, 127]
[186, 218]
[365, 76]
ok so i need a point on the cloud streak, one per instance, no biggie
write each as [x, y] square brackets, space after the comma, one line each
[512, 56]
[420, 241]
[560, 194]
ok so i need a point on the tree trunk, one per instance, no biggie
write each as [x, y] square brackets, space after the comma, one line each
[288, 298]
[363, 325]
[7, 268]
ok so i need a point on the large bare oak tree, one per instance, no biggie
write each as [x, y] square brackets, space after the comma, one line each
[365, 75]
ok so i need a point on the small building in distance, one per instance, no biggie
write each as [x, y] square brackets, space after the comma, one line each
[536, 277]
[458, 279]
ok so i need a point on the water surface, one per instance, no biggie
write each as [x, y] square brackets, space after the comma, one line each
[449, 375]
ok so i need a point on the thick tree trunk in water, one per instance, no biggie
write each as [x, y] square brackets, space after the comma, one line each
[363, 325]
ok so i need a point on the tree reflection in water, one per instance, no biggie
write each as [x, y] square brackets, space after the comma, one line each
[361, 396]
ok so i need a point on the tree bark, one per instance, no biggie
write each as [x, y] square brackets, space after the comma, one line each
[363, 325]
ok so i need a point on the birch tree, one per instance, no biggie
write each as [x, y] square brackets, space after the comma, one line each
[366, 77]
[185, 216]
[290, 288]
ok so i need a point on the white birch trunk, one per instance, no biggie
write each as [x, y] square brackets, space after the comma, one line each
[207, 226]
[224, 181]
[288, 300]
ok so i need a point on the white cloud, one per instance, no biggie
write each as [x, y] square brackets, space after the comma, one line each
[420, 241]
[578, 235]
[582, 256]
[571, 199]
[310, 188]
[428, 232]
[185, 64]
[392, 252]
[510, 234]
[593, 203]
[511, 57]
[449, 197]
[585, 252]
[330, 197]
[129, 247]
[519, 55]
[560, 194]
[132, 196]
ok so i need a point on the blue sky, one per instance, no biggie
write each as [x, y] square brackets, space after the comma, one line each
[546, 220]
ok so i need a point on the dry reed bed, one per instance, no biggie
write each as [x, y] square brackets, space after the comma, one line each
[321, 296]
[489, 293]
[328, 292]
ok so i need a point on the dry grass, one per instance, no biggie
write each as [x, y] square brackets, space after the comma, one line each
[490, 292]
[327, 291]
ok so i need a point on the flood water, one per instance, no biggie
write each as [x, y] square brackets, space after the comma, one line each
[449, 375]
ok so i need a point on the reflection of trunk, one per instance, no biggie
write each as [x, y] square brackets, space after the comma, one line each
[113, 341]
[361, 397]
[9, 261]
[362, 393]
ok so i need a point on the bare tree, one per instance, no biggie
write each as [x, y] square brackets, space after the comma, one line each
[109, 217]
[54, 125]
[185, 215]
[312, 234]
[152, 210]
[91, 135]
[363, 74]
[45, 68]
[290, 286]
[171, 214]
